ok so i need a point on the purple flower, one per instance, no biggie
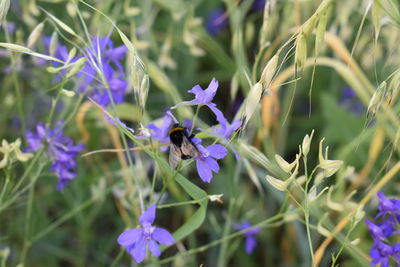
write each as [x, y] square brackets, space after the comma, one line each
[206, 161]
[204, 97]
[350, 101]
[387, 206]
[138, 239]
[382, 231]
[61, 149]
[376, 232]
[258, 5]
[224, 133]
[250, 235]
[103, 58]
[160, 134]
[226, 130]
[217, 21]
[380, 253]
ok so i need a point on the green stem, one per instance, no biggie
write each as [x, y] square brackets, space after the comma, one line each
[307, 213]
[16, 82]
[335, 258]
[71, 213]
[118, 258]
[28, 170]
[5, 187]
[27, 234]
[16, 195]
[194, 119]
[58, 222]
[54, 104]
[168, 182]
[222, 259]
[196, 201]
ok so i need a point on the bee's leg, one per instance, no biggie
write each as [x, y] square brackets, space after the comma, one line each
[183, 156]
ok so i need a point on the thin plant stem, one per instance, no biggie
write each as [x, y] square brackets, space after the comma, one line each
[28, 216]
[168, 182]
[15, 80]
[194, 119]
[118, 258]
[183, 203]
[307, 213]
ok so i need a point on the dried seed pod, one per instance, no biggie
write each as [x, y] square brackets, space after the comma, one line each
[278, 184]
[321, 28]
[35, 34]
[301, 50]
[376, 17]
[269, 71]
[252, 101]
[4, 7]
[322, 230]
[331, 204]
[376, 100]
[309, 25]
[306, 143]
[53, 44]
[76, 67]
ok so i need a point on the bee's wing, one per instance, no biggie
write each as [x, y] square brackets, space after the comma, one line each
[189, 150]
[174, 156]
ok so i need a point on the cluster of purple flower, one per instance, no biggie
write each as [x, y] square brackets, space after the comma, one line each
[206, 161]
[61, 149]
[136, 240]
[382, 232]
[102, 59]
[102, 69]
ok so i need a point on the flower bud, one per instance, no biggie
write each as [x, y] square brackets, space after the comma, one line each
[306, 143]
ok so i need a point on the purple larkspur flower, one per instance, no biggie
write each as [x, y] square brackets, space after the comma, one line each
[224, 133]
[61, 149]
[381, 231]
[258, 5]
[225, 130]
[350, 101]
[160, 134]
[250, 235]
[380, 253]
[137, 240]
[217, 21]
[206, 161]
[103, 58]
[205, 97]
[387, 206]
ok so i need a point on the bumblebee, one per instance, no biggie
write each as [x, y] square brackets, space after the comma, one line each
[182, 146]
